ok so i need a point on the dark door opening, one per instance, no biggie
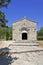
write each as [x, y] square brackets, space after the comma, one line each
[24, 36]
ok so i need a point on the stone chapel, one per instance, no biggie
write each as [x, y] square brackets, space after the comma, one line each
[24, 30]
[23, 46]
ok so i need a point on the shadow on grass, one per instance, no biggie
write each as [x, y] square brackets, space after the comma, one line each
[5, 57]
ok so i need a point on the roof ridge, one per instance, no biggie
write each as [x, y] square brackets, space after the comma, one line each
[26, 19]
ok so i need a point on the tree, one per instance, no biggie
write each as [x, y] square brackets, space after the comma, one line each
[8, 33]
[3, 21]
[40, 34]
[4, 3]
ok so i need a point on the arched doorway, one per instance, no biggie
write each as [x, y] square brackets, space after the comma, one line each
[24, 36]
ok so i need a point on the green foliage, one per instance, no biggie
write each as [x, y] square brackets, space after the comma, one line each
[4, 3]
[3, 21]
[3, 29]
[8, 33]
[40, 34]
[2, 32]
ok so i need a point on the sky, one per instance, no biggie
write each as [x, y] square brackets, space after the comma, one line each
[18, 9]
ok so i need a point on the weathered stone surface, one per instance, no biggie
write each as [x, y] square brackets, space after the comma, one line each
[30, 58]
[24, 26]
[25, 53]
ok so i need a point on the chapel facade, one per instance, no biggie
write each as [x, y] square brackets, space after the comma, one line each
[24, 30]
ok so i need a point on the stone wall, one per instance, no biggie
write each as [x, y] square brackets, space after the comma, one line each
[30, 28]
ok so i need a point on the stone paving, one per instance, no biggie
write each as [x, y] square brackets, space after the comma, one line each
[25, 53]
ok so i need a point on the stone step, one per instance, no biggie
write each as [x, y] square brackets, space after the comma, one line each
[24, 48]
[18, 52]
[26, 41]
[24, 44]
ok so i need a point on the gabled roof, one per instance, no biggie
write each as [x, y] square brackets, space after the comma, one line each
[26, 19]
